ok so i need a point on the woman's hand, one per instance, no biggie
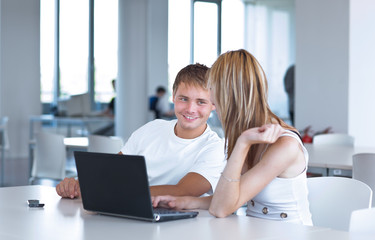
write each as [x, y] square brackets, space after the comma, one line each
[267, 133]
[179, 203]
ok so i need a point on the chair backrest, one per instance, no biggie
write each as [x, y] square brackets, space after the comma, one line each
[332, 200]
[334, 139]
[364, 169]
[49, 157]
[4, 138]
[363, 221]
[104, 144]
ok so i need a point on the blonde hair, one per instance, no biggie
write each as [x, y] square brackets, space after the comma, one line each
[239, 87]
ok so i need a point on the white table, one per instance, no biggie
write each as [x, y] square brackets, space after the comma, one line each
[66, 219]
[82, 122]
[81, 143]
[334, 156]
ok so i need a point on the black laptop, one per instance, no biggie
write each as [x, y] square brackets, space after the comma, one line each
[115, 184]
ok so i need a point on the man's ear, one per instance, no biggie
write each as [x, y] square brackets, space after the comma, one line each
[213, 107]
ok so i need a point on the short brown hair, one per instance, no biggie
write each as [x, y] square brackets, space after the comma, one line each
[193, 74]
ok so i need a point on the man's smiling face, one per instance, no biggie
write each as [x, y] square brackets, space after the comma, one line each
[192, 108]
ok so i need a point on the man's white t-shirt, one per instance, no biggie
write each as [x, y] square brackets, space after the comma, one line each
[169, 158]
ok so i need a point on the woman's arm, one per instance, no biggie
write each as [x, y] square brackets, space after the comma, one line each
[181, 202]
[233, 190]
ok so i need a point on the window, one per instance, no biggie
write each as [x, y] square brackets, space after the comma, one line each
[270, 38]
[180, 32]
[212, 33]
[71, 57]
[233, 25]
[74, 46]
[205, 32]
[47, 47]
[264, 28]
[105, 48]
[178, 37]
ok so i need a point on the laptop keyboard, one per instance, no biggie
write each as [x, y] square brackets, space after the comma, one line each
[166, 211]
[164, 214]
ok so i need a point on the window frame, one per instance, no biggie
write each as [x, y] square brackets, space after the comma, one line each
[56, 90]
[218, 3]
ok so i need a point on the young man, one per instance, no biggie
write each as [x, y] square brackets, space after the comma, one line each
[184, 157]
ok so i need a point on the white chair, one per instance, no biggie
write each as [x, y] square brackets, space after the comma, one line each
[364, 169]
[49, 159]
[333, 139]
[332, 200]
[104, 144]
[363, 221]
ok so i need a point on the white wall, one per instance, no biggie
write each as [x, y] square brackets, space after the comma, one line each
[143, 58]
[362, 72]
[19, 69]
[335, 67]
[322, 76]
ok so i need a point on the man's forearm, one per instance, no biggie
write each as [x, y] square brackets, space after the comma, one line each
[173, 190]
[192, 184]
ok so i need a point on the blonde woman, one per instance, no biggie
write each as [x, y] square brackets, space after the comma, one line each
[266, 160]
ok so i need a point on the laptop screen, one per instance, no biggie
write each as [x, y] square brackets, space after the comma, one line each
[114, 184]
